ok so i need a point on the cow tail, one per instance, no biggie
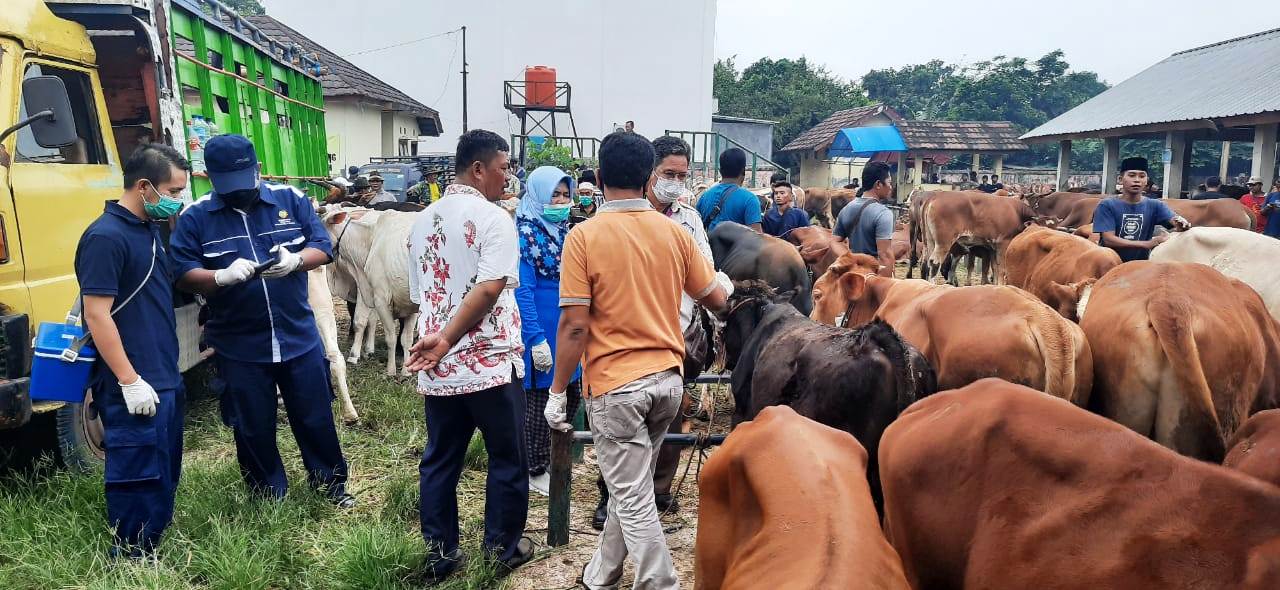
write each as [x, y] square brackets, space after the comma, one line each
[1057, 350]
[913, 226]
[1198, 432]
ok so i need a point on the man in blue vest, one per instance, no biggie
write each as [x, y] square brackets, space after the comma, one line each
[126, 283]
[247, 248]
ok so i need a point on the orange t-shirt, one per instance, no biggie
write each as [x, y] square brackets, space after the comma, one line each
[630, 264]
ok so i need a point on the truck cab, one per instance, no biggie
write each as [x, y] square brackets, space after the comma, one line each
[82, 84]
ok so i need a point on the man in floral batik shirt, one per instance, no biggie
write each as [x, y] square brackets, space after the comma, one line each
[463, 254]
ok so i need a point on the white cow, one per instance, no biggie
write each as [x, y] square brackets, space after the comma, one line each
[1238, 253]
[371, 248]
[321, 300]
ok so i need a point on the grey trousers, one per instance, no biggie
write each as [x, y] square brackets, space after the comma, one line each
[627, 426]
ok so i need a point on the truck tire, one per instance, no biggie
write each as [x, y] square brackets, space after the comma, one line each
[80, 437]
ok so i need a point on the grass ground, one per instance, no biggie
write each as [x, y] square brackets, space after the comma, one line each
[53, 532]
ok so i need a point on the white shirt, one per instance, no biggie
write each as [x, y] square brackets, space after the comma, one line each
[687, 217]
[456, 242]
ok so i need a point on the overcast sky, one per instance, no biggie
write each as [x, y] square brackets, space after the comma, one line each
[1116, 38]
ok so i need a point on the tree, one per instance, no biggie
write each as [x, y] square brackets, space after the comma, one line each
[795, 93]
[246, 7]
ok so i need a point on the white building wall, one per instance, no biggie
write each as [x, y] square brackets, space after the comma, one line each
[650, 62]
[354, 132]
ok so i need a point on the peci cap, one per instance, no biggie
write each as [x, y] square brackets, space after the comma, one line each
[232, 163]
[1128, 164]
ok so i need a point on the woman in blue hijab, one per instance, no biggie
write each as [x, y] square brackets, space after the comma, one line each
[542, 220]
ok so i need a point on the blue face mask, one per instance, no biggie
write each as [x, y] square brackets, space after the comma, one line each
[586, 200]
[556, 213]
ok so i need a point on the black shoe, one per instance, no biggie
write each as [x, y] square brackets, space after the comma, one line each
[344, 502]
[666, 502]
[601, 515]
[439, 566]
[524, 553]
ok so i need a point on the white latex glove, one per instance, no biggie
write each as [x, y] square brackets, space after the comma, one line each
[140, 397]
[240, 271]
[725, 282]
[289, 262]
[542, 359]
[555, 412]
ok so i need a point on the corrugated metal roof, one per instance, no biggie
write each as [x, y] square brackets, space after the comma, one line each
[728, 119]
[342, 78]
[963, 136]
[821, 135]
[1227, 79]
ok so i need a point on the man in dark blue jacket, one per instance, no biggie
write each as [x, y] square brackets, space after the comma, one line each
[247, 248]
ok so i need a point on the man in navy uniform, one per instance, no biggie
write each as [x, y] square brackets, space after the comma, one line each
[125, 280]
[260, 324]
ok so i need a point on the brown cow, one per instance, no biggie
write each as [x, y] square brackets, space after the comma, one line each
[817, 204]
[966, 333]
[1255, 448]
[1206, 213]
[1055, 205]
[996, 488]
[1181, 353]
[1055, 267]
[784, 503]
[817, 247]
[971, 221]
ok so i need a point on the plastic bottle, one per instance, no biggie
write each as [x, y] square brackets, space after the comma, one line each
[212, 129]
[195, 147]
[201, 129]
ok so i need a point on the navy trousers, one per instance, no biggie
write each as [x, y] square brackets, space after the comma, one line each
[451, 420]
[144, 462]
[249, 408]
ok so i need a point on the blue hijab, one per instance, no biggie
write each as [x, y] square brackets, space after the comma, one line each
[541, 240]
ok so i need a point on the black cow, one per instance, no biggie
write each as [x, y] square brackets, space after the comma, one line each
[746, 255]
[854, 380]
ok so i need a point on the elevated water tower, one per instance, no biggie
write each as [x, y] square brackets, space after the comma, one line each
[543, 104]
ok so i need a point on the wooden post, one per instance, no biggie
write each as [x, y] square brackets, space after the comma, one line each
[1110, 164]
[1175, 151]
[1224, 161]
[998, 169]
[561, 482]
[1064, 164]
[919, 172]
[901, 174]
[1264, 153]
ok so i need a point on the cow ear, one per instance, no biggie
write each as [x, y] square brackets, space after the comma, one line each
[339, 218]
[853, 285]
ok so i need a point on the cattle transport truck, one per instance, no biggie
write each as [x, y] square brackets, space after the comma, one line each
[114, 74]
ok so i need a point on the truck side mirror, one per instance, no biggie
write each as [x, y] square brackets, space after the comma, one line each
[53, 125]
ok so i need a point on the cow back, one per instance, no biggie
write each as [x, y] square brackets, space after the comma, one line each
[1255, 448]
[1053, 496]
[1238, 253]
[1213, 213]
[758, 494]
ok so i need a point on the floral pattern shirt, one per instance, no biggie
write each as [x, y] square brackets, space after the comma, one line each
[457, 242]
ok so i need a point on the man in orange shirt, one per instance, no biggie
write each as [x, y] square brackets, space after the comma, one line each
[620, 311]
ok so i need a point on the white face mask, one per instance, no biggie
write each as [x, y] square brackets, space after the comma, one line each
[668, 191]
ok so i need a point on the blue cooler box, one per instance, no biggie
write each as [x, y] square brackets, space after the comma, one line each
[56, 376]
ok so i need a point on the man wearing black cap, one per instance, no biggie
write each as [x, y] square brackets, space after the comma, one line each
[247, 248]
[1213, 186]
[1127, 222]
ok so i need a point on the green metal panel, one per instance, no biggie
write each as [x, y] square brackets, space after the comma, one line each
[252, 93]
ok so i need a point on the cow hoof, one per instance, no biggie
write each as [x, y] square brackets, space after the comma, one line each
[351, 420]
[352, 360]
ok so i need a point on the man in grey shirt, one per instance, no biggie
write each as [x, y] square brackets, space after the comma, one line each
[866, 224]
[378, 194]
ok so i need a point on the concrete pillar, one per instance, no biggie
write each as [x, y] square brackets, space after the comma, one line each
[1224, 161]
[977, 163]
[1175, 159]
[919, 175]
[1110, 164]
[999, 165]
[1064, 163]
[1264, 153]
[900, 175]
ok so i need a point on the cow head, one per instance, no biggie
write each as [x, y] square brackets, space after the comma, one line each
[742, 314]
[832, 291]
[1069, 300]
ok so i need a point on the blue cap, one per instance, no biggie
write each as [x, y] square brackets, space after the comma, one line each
[231, 163]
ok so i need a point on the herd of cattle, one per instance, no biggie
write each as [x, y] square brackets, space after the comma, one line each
[1081, 423]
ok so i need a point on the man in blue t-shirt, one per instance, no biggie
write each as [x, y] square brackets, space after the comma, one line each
[1272, 228]
[783, 216]
[728, 201]
[1128, 221]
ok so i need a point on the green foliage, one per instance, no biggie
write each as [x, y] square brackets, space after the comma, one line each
[795, 93]
[550, 154]
[248, 7]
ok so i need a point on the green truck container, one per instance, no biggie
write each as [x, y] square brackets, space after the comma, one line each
[131, 72]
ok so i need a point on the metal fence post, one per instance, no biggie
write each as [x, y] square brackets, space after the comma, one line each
[561, 484]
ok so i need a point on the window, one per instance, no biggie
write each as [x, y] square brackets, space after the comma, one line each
[88, 149]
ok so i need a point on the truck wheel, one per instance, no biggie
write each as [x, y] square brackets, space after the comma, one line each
[80, 437]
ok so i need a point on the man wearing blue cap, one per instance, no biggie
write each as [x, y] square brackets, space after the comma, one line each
[247, 249]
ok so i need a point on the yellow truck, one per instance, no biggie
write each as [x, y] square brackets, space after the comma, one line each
[83, 83]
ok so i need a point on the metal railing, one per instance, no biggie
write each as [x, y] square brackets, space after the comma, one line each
[705, 160]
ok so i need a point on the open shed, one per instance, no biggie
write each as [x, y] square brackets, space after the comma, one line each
[1224, 92]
